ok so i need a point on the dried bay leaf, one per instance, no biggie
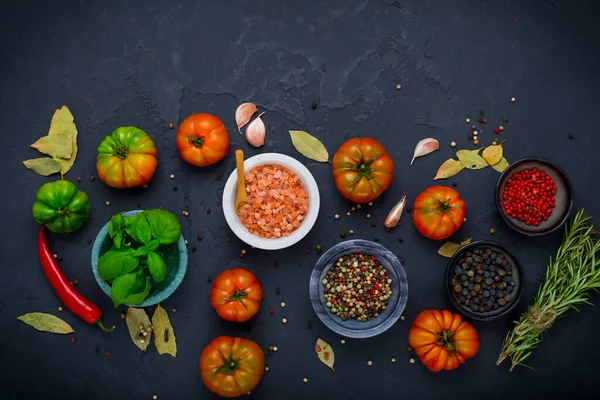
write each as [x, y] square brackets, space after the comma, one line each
[59, 145]
[309, 146]
[46, 323]
[63, 123]
[492, 154]
[449, 168]
[164, 335]
[44, 166]
[448, 249]
[325, 353]
[470, 159]
[136, 320]
[501, 166]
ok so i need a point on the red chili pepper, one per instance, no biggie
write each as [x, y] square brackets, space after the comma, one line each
[70, 297]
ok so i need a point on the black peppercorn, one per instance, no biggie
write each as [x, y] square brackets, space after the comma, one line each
[174, 188]
[571, 137]
[377, 238]
[454, 183]
[473, 127]
[199, 237]
[470, 136]
[343, 234]
[208, 211]
[209, 280]
[277, 291]
[481, 111]
[505, 119]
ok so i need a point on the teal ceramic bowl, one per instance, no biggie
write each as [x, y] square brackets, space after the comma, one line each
[175, 256]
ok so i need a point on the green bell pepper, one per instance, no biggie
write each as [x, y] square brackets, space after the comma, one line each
[61, 207]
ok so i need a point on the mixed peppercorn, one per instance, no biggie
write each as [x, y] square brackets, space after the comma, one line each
[482, 280]
[357, 287]
[529, 196]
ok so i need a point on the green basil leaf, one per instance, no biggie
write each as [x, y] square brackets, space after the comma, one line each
[142, 251]
[142, 229]
[118, 240]
[138, 298]
[116, 225]
[157, 267]
[123, 286]
[153, 245]
[164, 225]
[116, 262]
[130, 226]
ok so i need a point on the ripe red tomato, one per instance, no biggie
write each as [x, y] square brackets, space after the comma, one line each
[202, 139]
[439, 212]
[231, 367]
[362, 169]
[442, 340]
[236, 295]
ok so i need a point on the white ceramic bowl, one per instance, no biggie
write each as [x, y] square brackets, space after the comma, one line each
[233, 220]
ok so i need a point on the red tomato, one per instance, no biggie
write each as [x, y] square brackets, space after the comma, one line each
[442, 340]
[202, 139]
[231, 367]
[362, 169]
[439, 212]
[236, 295]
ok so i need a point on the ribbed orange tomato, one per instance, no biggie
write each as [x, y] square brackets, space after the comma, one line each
[231, 367]
[439, 212]
[236, 295]
[442, 340]
[127, 158]
[362, 169]
[202, 140]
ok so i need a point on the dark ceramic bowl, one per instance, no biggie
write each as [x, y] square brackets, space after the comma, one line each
[564, 196]
[396, 303]
[517, 277]
[175, 256]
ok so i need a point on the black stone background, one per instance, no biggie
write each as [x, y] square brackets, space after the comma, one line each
[149, 63]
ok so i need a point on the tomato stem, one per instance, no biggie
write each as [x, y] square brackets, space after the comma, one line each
[229, 364]
[238, 295]
[196, 141]
[445, 339]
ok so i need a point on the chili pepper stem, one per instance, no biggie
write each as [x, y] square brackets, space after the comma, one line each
[100, 324]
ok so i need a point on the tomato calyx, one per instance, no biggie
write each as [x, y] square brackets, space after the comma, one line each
[363, 168]
[121, 151]
[229, 364]
[238, 295]
[196, 141]
[445, 339]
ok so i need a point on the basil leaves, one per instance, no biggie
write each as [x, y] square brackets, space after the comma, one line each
[134, 261]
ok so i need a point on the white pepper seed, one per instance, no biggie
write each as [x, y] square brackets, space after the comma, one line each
[393, 359]
[155, 397]
[337, 216]
[107, 203]
[60, 308]
[398, 86]
[282, 304]
[368, 215]
[370, 203]
[284, 320]
[513, 99]
[305, 380]
[412, 360]
[274, 348]
[468, 120]
[369, 363]
[172, 176]
[266, 368]
[348, 213]
[402, 318]
[342, 341]
[243, 251]
[142, 341]
[452, 144]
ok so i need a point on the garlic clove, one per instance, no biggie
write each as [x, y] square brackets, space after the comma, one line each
[243, 114]
[393, 217]
[255, 132]
[425, 147]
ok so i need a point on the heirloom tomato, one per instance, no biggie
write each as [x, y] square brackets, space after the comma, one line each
[61, 207]
[231, 367]
[438, 212]
[442, 340]
[127, 158]
[202, 140]
[362, 169]
[236, 295]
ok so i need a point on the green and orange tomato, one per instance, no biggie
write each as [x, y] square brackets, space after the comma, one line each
[127, 158]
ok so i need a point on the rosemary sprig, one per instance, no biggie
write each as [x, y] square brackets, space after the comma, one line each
[570, 277]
